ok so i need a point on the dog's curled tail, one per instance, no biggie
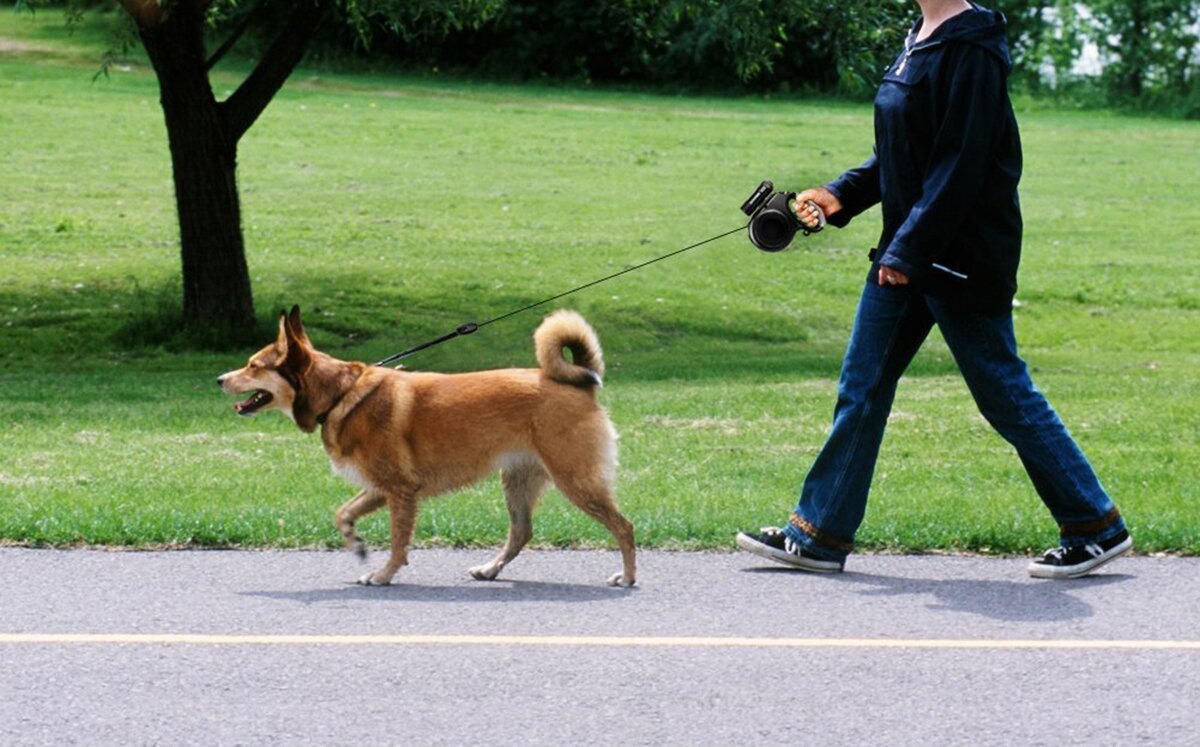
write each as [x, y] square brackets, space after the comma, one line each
[567, 330]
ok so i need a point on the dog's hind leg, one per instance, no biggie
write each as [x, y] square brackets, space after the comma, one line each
[403, 508]
[523, 485]
[594, 498]
[350, 512]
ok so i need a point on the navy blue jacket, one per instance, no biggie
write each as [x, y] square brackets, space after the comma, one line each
[946, 165]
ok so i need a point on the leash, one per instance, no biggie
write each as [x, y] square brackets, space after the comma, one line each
[472, 327]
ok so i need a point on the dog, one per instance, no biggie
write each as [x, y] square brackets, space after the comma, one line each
[403, 436]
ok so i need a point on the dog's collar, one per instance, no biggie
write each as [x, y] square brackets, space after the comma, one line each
[337, 401]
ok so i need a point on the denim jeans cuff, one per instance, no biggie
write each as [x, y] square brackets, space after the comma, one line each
[821, 544]
[1082, 532]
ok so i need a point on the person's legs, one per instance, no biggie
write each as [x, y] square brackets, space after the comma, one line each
[889, 327]
[985, 348]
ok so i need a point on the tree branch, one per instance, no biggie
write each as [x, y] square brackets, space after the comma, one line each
[147, 13]
[227, 45]
[252, 96]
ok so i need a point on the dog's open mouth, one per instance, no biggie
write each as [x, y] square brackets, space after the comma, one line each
[255, 402]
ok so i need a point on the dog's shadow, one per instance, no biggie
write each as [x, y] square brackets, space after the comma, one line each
[1010, 601]
[506, 591]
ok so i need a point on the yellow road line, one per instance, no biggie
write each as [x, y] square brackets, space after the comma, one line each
[201, 639]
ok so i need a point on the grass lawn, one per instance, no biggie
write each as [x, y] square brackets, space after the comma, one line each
[394, 208]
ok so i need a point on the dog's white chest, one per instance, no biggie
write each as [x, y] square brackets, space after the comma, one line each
[349, 472]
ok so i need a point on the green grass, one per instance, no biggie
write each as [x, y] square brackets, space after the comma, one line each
[394, 208]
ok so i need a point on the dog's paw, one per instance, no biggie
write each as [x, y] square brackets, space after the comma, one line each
[486, 572]
[360, 549]
[619, 579]
[373, 579]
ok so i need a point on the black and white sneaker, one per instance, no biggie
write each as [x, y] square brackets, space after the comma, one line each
[1073, 562]
[772, 543]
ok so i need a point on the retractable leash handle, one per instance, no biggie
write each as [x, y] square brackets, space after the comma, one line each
[773, 219]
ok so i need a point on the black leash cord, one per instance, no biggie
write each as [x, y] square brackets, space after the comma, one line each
[471, 327]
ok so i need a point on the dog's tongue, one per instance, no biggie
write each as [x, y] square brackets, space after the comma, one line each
[251, 403]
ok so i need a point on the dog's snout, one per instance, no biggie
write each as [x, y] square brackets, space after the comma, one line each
[220, 381]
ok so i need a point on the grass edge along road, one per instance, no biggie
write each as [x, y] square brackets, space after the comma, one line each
[394, 208]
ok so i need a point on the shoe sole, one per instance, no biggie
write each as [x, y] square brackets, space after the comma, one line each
[750, 545]
[1038, 570]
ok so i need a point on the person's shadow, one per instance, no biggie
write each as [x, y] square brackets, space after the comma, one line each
[1033, 601]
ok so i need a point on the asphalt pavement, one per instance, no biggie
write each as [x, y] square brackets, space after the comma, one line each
[280, 648]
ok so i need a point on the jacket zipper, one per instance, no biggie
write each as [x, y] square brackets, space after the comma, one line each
[909, 43]
[911, 46]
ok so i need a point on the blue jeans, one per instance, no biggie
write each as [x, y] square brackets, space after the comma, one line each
[889, 328]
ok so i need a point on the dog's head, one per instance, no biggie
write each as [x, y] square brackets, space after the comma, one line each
[273, 376]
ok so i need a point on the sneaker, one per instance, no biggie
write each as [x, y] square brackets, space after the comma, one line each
[772, 543]
[1073, 562]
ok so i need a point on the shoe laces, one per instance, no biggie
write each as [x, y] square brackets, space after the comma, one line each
[1057, 553]
[789, 544]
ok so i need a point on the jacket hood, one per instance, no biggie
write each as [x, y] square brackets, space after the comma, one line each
[979, 26]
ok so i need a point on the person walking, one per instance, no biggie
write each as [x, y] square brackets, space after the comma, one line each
[945, 169]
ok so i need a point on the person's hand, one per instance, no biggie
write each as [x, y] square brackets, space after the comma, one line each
[888, 276]
[824, 199]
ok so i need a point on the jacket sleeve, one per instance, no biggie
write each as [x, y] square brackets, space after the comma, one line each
[857, 189]
[964, 142]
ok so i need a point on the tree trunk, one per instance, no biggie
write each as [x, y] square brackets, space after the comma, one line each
[1138, 44]
[216, 281]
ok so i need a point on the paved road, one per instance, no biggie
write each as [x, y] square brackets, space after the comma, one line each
[226, 648]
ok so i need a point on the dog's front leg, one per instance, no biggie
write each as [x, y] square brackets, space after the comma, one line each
[403, 508]
[350, 512]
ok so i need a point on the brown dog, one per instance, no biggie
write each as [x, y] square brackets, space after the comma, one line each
[403, 436]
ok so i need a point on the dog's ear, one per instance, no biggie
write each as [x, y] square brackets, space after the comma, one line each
[297, 326]
[282, 339]
[299, 350]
